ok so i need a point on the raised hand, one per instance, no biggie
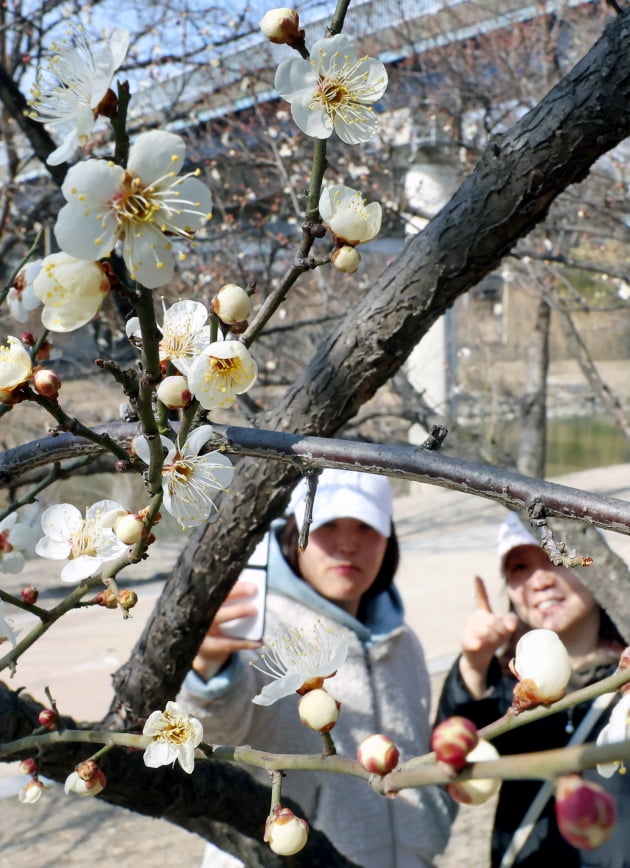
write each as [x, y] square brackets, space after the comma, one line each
[483, 634]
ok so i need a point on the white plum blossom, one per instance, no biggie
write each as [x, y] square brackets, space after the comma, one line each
[71, 290]
[144, 205]
[17, 541]
[21, 297]
[16, 366]
[616, 730]
[543, 667]
[7, 633]
[334, 90]
[86, 543]
[185, 333]
[299, 662]
[75, 82]
[344, 211]
[175, 736]
[189, 479]
[223, 370]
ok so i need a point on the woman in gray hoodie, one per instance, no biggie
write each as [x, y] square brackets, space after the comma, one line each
[342, 582]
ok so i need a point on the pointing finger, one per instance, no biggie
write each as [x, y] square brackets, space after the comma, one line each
[482, 601]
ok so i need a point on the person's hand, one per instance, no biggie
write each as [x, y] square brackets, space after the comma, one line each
[483, 634]
[216, 648]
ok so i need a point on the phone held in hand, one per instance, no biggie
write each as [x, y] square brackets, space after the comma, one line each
[255, 573]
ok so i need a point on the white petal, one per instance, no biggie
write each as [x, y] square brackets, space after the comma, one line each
[56, 550]
[186, 757]
[160, 753]
[81, 568]
[197, 439]
[60, 521]
[147, 254]
[278, 689]
[155, 154]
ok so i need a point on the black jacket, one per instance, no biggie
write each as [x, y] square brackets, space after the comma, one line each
[545, 847]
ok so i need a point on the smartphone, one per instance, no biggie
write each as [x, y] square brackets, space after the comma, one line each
[253, 626]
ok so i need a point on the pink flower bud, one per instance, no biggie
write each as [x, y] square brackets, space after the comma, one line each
[318, 710]
[378, 754]
[29, 766]
[28, 339]
[174, 393]
[285, 833]
[232, 304]
[46, 383]
[281, 26]
[478, 790]
[346, 259]
[585, 812]
[453, 740]
[48, 718]
[29, 594]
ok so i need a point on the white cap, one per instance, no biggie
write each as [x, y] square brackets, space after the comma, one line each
[346, 494]
[512, 534]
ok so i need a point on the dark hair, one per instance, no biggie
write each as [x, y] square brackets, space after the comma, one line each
[288, 540]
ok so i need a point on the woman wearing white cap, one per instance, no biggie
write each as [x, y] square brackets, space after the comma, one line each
[480, 687]
[342, 581]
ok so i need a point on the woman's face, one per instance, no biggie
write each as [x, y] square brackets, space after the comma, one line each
[342, 559]
[544, 595]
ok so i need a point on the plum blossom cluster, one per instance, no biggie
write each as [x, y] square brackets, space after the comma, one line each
[213, 372]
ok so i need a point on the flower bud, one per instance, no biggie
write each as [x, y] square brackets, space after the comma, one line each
[346, 259]
[285, 833]
[31, 792]
[129, 528]
[542, 666]
[232, 304]
[29, 594]
[453, 740]
[48, 718]
[282, 26]
[28, 339]
[378, 754]
[82, 786]
[127, 599]
[46, 383]
[174, 393]
[29, 766]
[585, 812]
[106, 598]
[478, 790]
[318, 710]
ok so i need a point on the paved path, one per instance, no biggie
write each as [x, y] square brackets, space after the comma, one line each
[446, 539]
